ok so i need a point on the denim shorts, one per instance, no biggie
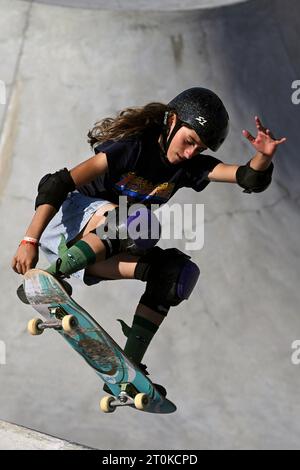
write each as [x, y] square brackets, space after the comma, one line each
[72, 217]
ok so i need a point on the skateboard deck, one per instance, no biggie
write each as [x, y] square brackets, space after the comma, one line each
[128, 384]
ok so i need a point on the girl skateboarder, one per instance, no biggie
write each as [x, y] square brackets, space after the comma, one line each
[146, 154]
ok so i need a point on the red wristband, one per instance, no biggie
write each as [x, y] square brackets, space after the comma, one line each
[30, 242]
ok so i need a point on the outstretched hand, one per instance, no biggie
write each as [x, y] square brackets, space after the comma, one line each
[264, 142]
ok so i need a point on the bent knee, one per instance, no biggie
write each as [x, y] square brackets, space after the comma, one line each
[170, 275]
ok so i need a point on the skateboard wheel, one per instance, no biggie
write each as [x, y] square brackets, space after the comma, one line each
[105, 405]
[141, 401]
[69, 322]
[33, 326]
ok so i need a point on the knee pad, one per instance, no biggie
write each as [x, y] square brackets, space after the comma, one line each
[170, 276]
[134, 233]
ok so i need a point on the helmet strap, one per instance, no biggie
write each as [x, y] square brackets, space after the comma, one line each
[168, 139]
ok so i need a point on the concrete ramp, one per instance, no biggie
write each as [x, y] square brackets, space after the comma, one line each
[13, 437]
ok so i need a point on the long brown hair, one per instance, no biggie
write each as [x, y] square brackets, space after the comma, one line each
[130, 121]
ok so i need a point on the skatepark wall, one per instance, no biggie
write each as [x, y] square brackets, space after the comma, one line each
[225, 355]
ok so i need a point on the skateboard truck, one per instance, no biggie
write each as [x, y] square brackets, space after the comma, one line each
[139, 401]
[67, 323]
[122, 400]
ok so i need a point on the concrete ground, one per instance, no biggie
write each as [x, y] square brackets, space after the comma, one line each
[225, 354]
[14, 437]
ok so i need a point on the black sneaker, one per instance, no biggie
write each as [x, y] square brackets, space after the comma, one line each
[143, 368]
[158, 387]
[161, 390]
[107, 389]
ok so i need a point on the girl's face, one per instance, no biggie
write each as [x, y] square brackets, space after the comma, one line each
[185, 144]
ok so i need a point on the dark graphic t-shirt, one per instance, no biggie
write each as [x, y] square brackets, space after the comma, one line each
[138, 169]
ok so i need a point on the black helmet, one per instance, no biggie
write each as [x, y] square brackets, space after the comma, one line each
[203, 111]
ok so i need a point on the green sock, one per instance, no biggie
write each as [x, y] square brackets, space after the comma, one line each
[139, 338]
[62, 247]
[73, 259]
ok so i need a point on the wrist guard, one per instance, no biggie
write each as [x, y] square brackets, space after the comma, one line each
[254, 180]
[54, 188]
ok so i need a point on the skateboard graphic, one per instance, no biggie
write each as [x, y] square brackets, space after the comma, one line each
[127, 383]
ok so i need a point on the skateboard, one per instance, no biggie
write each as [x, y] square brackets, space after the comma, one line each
[128, 384]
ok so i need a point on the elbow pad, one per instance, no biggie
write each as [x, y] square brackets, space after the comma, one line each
[253, 180]
[54, 188]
